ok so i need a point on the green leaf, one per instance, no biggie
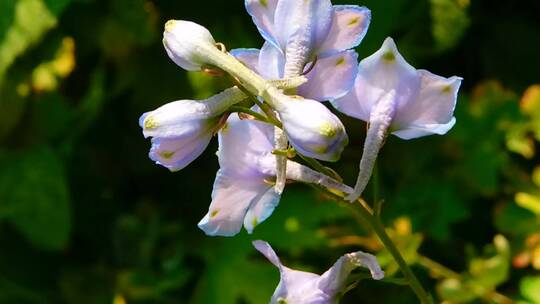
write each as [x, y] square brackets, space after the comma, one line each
[445, 207]
[34, 198]
[450, 21]
[492, 270]
[455, 291]
[299, 221]
[514, 220]
[228, 263]
[31, 21]
[530, 288]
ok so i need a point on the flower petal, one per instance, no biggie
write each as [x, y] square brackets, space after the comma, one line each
[434, 105]
[182, 118]
[176, 154]
[301, 27]
[249, 57]
[313, 130]
[383, 72]
[294, 286]
[265, 248]
[245, 147]
[231, 198]
[184, 40]
[415, 131]
[334, 279]
[261, 208]
[332, 77]
[262, 12]
[349, 26]
[271, 62]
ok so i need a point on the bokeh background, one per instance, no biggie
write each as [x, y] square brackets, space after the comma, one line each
[86, 217]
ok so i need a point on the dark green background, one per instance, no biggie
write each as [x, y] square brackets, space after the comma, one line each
[86, 217]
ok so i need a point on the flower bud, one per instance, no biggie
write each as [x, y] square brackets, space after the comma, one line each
[312, 128]
[182, 129]
[186, 43]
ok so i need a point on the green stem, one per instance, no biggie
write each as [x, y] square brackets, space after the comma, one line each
[257, 115]
[378, 228]
[314, 164]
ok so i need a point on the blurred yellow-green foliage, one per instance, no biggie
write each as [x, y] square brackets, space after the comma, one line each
[86, 217]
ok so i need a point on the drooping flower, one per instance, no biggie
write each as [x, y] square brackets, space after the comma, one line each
[181, 130]
[301, 287]
[243, 191]
[392, 96]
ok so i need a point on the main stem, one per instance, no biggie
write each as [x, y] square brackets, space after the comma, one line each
[373, 221]
[378, 228]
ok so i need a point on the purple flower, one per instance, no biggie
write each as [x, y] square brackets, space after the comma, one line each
[392, 96]
[299, 287]
[186, 42]
[181, 130]
[298, 32]
[244, 192]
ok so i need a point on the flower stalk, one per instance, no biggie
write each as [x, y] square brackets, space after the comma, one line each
[378, 228]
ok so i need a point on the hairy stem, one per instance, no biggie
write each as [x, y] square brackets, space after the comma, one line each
[379, 122]
[281, 143]
[256, 115]
[305, 174]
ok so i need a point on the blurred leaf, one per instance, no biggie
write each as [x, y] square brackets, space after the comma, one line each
[519, 141]
[405, 240]
[450, 21]
[484, 275]
[230, 275]
[7, 8]
[455, 291]
[85, 286]
[299, 222]
[34, 197]
[516, 221]
[132, 23]
[45, 76]
[492, 270]
[529, 202]
[12, 105]
[436, 206]
[484, 121]
[10, 293]
[530, 102]
[32, 20]
[530, 288]
[536, 176]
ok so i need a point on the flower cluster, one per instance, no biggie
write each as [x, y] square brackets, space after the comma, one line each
[278, 95]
